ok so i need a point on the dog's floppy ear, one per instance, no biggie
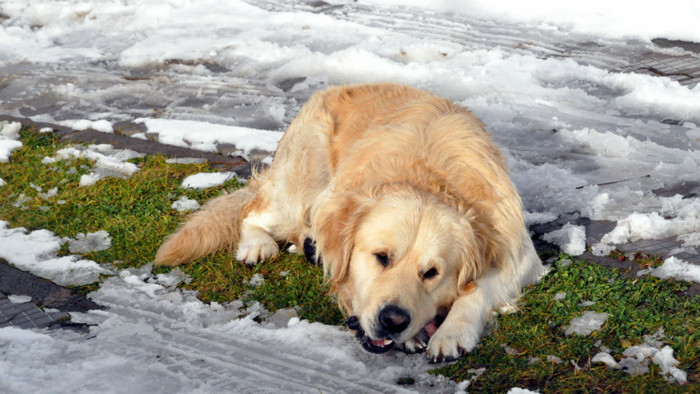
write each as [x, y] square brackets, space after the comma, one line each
[479, 249]
[336, 223]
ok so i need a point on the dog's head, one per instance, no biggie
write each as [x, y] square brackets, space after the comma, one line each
[397, 258]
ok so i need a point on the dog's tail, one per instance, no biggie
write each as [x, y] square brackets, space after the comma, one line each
[215, 227]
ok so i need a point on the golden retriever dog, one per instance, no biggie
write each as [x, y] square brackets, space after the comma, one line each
[404, 198]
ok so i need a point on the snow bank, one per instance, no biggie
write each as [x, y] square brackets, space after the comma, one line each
[36, 252]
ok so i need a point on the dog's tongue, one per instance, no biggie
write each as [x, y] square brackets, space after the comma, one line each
[380, 342]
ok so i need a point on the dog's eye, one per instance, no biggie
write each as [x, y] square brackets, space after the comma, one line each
[431, 273]
[382, 258]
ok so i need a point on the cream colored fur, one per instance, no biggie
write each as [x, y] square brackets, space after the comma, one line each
[384, 169]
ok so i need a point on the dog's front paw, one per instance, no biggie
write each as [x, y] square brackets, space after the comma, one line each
[415, 345]
[256, 246]
[452, 340]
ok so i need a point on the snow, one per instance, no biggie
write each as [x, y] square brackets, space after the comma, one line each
[587, 323]
[156, 337]
[205, 136]
[636, 359]
[84, 124]
[185, 204]
[570, 238]
[674, 268]
[602, 18]
[36, 252]
[205, 180]
[19, 299]
[109, 162]
[9, 136]
[582, 134]
[518, 390]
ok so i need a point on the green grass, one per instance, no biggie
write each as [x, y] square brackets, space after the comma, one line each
[137, 214]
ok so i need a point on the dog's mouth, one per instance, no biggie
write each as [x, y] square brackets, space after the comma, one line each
[385, 344]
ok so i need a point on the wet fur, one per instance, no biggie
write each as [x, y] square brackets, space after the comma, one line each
[390, 169]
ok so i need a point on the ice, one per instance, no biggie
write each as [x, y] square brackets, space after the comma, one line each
[90, 242]
[185, 204]
[570, 238]
[674, 268]
[590, 321]
[205, 180]
[9, 136]
[36, 252]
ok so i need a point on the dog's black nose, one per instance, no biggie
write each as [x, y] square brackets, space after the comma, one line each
[394, 319]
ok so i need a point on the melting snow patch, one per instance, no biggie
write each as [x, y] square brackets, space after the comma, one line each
[636, 359]
[586, 324]
[19, 299]
[206, 136]
[36, 252]
[9, 139]
[205, 180]
[2, 182]
[84, 124]
[570, 238]
[90, 242]
[560, 296]
[674, 268]
[185, 204]
[518, 390]
[605, 358]
[684, 224]
[109, 162]
[256, 280]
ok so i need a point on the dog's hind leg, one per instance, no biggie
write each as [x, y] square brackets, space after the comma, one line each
[215, 227]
